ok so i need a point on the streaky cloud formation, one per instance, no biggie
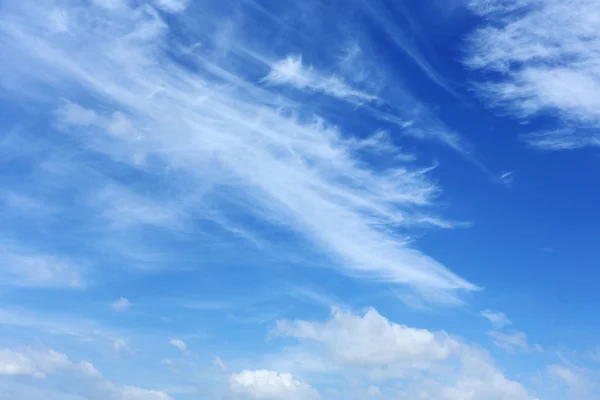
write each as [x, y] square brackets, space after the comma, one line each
[291, 71]
[259, 200]
[540, 59]
[213, 126]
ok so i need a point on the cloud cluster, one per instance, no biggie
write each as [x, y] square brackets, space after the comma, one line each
[372, 349]
[42, 363]
[31, 362]
[270, 385]
[350, 338]
[541, 58]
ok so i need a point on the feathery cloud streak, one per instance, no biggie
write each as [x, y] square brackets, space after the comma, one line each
[541, 58]
[198, 117]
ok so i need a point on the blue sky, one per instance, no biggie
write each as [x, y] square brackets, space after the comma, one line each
[303, 200]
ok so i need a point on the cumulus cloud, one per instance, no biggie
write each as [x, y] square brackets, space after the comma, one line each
[379, 352]
[32, 362]
[350, 339]
[44, 363]
[545, 54]
[14, 363]
[270, 385]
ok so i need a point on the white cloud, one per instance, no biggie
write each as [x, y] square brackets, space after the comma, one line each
[121, 304]
[23, 267]
[172, 6]
[510, 342]
[217, 362]
[43, 363]
[225, 138]
[111, 4]
[494, 386]
[291, 71]
[14, 363]
[89, 370]
[136, 393]
[578, 382]
[350, 339]
[371, 349]
[270, 385]
[120, 346]
[180, 344]
[566, 375]
[546, 54]
[32, 362]
[498, 319]
[373, 391]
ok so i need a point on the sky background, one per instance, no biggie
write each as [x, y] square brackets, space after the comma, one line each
[299, 200]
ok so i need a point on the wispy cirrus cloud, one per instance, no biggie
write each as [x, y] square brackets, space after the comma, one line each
[292, 71]
[227, 139]
[25, 268]
[541, 58]
[510, 342]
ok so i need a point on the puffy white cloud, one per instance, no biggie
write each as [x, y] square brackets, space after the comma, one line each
[372, 340]
[270, 385]
[370, 348]
[546, 54]
[32, 362]
[44, 363]
[14, 363]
